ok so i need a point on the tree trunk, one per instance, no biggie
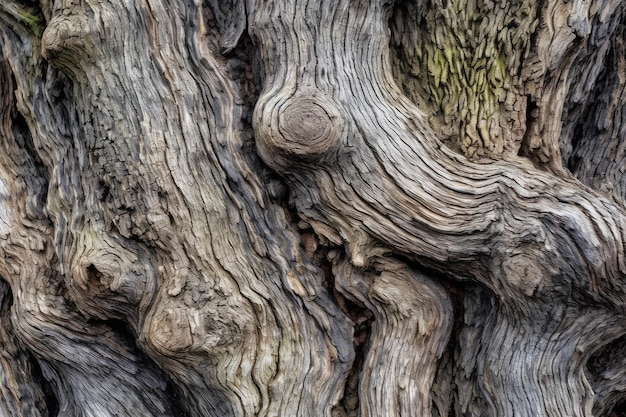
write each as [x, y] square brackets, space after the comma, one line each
[331, 208]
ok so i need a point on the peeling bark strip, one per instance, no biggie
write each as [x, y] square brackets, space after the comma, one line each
[151, 265]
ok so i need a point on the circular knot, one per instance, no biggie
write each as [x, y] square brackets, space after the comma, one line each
[308, 126]
[299, 129]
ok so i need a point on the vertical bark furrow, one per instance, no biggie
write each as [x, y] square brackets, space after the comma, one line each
[594, 146]
[411, 328]
[553, 67]
[87, 364]
[608, 376]
[480, 310]
[166, 227]
[20, 392]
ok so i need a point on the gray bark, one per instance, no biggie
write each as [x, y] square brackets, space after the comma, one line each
[332, 208]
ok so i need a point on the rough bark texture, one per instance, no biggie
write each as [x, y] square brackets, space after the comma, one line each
[329, 208]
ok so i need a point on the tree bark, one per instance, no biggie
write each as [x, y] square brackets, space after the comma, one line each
[332, 208]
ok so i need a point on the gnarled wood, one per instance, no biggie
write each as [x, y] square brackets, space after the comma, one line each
[372, 188]
[243, 208]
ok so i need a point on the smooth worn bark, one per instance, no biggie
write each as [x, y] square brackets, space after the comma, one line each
[296, 208]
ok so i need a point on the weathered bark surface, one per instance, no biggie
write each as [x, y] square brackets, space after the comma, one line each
[332, 208]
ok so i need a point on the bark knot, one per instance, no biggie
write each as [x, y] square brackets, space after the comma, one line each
[67, 40]
[304, 128]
